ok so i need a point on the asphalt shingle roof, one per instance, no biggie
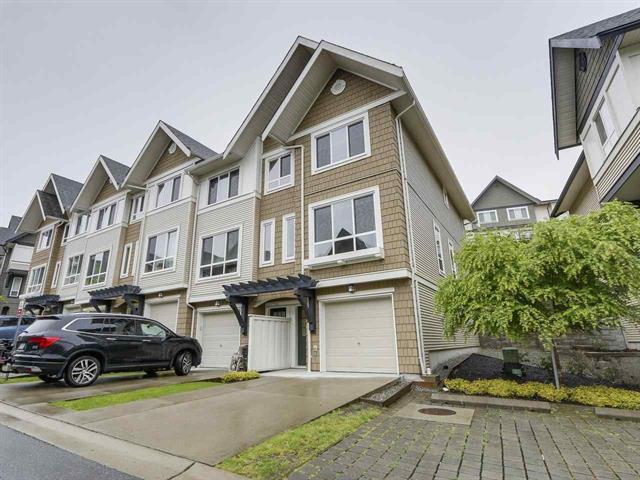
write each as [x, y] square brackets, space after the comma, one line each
[602, 26]
[197, 149]
[50, 204]
[67, 189]
[117, 169]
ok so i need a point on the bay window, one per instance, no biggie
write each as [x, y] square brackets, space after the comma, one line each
[82, 222]
[168, 191]
[161, 252]
[106, 216]
[219, 254]
[223, 187]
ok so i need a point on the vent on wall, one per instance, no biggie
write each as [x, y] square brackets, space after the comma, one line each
[338, 86]
[582, 61]
[172, 148]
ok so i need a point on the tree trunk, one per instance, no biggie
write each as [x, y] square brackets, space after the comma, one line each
[555, 362]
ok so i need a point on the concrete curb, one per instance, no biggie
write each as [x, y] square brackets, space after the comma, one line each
[482, 401]
[136, 460]
[618, 414]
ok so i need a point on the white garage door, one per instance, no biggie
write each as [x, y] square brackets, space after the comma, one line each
[166, 313]
[359, 336]
[219, 335]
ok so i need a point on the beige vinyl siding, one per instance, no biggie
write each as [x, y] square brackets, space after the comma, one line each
[564, 73]
[243, 214]
[75, 246]
[131, 236]
[168, 161]
[179, 216]
[107, 191]
[432, 325]
[108, 240]
[586, 201]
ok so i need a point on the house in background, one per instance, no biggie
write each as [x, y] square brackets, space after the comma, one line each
[15, 257]
[505, 207]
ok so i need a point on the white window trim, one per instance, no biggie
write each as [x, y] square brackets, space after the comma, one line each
[65, 239]
[106, 208]
[511, 210]
[175, 254]
[106, 272]
[452, 257]
[56, 275]
[39, 286]
[367, 143]
[278, 155]
[13, 292]
[348, 257]
[77, 218]
[40, 237]
[216, 175]
[137, 218]
[612, 139]
[168, 178]
[439, 249]
[124, 267]
[286, 259]
[78, 275]
[486, 211]
[237, 273]
[271, 221]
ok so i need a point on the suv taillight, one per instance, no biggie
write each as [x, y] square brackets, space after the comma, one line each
[42, 342]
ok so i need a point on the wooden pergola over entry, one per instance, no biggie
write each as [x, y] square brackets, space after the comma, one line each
[37, 305]
[129, 293]
[303, 287]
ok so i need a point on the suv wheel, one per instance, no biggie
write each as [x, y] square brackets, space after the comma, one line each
[49, 378]
[183, 363]
[82, 371]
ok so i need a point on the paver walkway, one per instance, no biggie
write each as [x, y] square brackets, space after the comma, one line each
[571, 443]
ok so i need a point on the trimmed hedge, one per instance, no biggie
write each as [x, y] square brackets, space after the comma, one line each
[231, 377]
[596, 396]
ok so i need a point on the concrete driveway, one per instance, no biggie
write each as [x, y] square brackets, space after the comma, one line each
[211, 424]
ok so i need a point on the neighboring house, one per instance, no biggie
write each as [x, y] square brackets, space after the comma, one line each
[15, 258]
[505, 207]
[47, 218]
[359, 215]
[595, 85]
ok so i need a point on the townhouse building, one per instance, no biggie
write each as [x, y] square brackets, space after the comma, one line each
[595, 85]
[503, 206]
[317, 237]
[15, 259]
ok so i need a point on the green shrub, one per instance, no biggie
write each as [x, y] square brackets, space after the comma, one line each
[231, 377]
[596, 396]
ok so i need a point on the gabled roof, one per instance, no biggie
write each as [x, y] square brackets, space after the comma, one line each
[8, 234]
[66, 189]
[49, 205]
[572, 187]
[103, 169]
[562, 65]
[157, 142]
[499, 179]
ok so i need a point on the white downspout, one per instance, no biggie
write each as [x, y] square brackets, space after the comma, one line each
[409, 227]
[194, 254]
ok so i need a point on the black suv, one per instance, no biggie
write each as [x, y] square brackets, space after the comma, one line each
[81, 346]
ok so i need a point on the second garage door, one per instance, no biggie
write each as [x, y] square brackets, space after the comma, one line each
[166, 313]
[219, 335]
[360, 336]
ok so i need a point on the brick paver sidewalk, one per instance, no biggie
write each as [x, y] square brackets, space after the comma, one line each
[570, 443]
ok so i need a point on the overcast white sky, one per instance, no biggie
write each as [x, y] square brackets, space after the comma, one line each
[79, 79]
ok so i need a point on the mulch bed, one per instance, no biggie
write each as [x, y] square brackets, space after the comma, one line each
[482, 367]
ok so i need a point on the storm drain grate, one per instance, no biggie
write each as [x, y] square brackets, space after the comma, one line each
[437, 411]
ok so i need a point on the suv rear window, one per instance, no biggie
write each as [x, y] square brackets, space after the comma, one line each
[43, 324]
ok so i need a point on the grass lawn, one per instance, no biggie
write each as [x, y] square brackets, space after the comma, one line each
[4, 381]
[280, 455]
[33, 378]
[107, 400]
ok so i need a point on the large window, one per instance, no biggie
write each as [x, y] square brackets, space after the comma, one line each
[488, 216]
[161, 252]
[36, 279]
[346, 142]
[168, 191]
[223, 187]
[97, 268]
[518, 213]
[288, 238]
[439, 252]
[16, 284]
[219, 254]
[106, 216]
[45, 239]
[267, 240]
[74, 266]
[279, 172]
[344, 226]
[82, 222]
[137, 207]
[605, 127]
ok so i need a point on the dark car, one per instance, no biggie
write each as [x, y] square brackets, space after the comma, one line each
[9, 325]
[79, 347]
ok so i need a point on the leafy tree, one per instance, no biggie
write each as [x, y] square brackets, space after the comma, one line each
[576, 274]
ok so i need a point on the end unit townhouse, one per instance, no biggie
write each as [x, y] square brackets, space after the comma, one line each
[15, 257]
[503, 206]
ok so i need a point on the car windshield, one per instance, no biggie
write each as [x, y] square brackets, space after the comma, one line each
[42, 325]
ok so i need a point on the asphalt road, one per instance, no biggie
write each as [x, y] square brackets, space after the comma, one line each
[26, 458]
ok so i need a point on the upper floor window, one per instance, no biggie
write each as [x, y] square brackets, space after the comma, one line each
[16, 284]
[126, 260]
[518, 213]
[346, 226]
[168, 191]
[82, 222]
[106, 216]
[161, 251]
[279, 172]
[36, 279]
[223, 187]
[452, 257]
[439, 251]
[488, 216]
[97, 268]
[288, 238]
[349, 141]
[56, 275]
[137, 207]
[65, 233]
[445, 197]
[267, 240]
[45, 239]
[219, 254]
[605, 127]
[74, 266]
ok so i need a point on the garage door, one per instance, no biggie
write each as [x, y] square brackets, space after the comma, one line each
[165, 313]
[359, 336]
[219, 335]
